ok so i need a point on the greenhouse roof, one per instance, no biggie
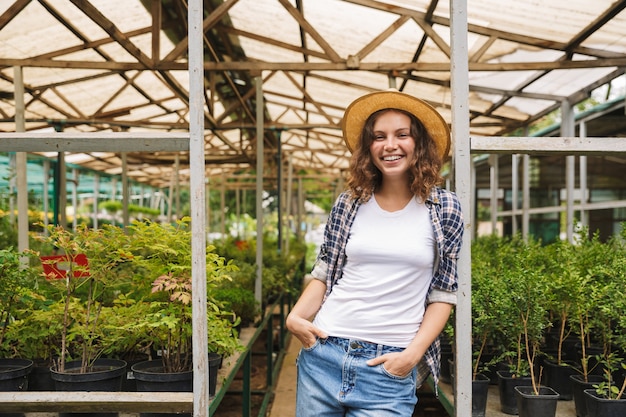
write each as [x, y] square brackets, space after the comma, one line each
[121, 65]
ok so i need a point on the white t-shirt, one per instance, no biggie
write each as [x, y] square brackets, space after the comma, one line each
[381, 295]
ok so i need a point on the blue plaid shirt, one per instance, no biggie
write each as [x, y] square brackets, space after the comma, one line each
[447, 222]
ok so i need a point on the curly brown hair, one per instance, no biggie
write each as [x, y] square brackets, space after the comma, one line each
[364, 178]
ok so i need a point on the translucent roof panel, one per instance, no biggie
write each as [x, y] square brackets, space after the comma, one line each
[110, 65]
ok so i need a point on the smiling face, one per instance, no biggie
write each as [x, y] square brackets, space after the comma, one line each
[392, 147]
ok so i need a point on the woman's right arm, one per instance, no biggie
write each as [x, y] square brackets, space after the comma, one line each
[299, 319]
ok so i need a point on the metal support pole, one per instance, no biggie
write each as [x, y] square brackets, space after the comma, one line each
[567, 130]
[75, 198]
[494, 187]
[46, 203]
[21, 163]
[258, 284]
[279, 186]
[584, 198]
[526, 196]
[459, 83]
[514, 188]
[570, 184]
[473, 201]
[246, 401]
[288, 200]
[61, 190]
[125, 191]
[198, 226]
[300, 214]
[177, 212]
[223, 206]
[96, 198]
[238, 212]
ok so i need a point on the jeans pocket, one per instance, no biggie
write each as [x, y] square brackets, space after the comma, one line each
[313, 346]
[394, 376]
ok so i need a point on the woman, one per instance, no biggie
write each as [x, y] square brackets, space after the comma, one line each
[385, 278]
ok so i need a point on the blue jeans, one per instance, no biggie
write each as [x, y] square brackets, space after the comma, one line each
[334, 380]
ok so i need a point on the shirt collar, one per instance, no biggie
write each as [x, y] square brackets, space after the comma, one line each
[433, 198]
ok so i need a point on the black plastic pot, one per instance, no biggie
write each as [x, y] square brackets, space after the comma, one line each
[14, 374]
[40, 378]
[579, 385]
[480, 393]
[506, 390]
[14, 377]
[557, 377]
[215, 363]
[107, 375]
[150, 376]
[530, 404]
[603, 407]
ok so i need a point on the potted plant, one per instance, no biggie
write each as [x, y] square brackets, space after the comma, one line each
[16, 276]
[591, 255]
[523, 319]
[86, 268]
[162, 256]
[36, 335]
[489, 301]
[568, 301]
[607, 399]
[534, 400]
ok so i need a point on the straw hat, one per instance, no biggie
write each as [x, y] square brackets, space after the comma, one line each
[360, 109]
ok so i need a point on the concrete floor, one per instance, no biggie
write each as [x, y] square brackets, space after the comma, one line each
[284, 402]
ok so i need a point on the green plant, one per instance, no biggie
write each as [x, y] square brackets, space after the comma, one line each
[590, 256]
[607, 389]
[608, 277]
[523, 316]
[240, 301]
[17, 279]
[111, 206]
[610, 314]
[282, 271]
[530, 295]
[162, 255]
[86, 289]
[490, 299]
[565, 284]
[8, 231]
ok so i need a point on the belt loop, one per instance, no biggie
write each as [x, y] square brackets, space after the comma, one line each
[379, 350]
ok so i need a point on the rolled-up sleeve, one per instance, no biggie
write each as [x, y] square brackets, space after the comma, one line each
[445, 282]
[320, 270]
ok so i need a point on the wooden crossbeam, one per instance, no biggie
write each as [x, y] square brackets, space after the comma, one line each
[96, 401]
[94, 142]
[548, 145]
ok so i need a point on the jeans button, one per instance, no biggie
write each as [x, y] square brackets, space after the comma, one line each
[354, 345]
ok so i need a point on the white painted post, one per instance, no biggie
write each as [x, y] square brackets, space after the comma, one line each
[459, 83]
[198, 227]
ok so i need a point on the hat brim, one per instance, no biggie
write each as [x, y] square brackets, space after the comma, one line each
[359, 110]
